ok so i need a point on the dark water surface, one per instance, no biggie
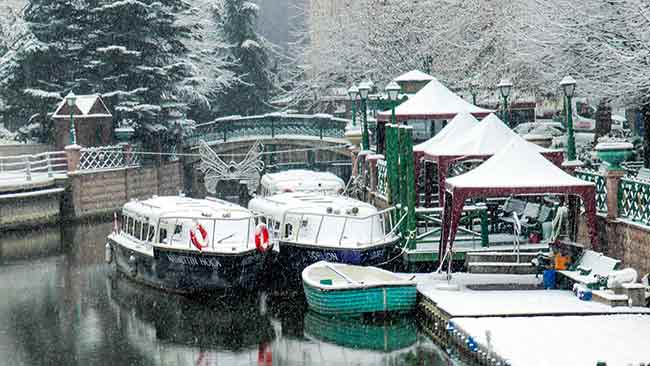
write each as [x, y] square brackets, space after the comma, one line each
[61, 305]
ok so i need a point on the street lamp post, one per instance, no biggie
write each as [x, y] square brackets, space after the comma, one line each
[353, 93]
[393, 89]
[71, 99]
[364, 89]
[568, 85]
[504, 89]
[473, 89]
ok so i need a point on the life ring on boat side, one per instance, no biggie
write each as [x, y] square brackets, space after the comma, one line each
[262, 237]
[199, 236]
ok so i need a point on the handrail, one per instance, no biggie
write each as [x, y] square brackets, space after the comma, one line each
[15, 166]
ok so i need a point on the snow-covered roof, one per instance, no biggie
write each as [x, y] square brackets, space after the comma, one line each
[299, 180]
[433, 101]
[84, 106]
[179, 206]
[310, 203]
[484, 139]
[457, 127]
[516, 165]
[414, 75]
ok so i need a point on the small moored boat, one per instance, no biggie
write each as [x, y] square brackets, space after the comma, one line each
[187, 245]
[342, 289]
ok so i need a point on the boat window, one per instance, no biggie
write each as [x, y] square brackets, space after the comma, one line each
[124, 218]
[178, 229]
[145, 231]
[288, 231]
[309, 227]
[330, 232]
[137, 229]
[163, 235]
[129, 229]
[233, 231]
[263, 219]
[152, 232]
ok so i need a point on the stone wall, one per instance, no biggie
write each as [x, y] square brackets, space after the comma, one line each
[24, 149]
[101, 193]
[30, 208]
[623, 240]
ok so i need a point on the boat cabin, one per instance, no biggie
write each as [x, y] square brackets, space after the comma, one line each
[168, 222]
[318, 220]
[299, 180]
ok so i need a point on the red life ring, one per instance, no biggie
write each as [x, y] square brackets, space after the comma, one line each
[199, 239]
[262, 237]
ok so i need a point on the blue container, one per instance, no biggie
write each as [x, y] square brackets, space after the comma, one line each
[549, 279]
[584, 295]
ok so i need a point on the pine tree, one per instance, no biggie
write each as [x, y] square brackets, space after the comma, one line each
[248, 60]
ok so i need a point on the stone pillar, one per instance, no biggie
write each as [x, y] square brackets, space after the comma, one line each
[126, 153]
[73, 155]
[612, 180]
[372, 165]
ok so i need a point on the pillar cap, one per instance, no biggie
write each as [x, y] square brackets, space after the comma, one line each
[73, 147]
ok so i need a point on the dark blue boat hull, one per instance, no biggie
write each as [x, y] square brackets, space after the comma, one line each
[186, 271]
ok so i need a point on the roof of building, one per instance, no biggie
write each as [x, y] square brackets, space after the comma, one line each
[86, 106]
[433, 101]
[414, 75]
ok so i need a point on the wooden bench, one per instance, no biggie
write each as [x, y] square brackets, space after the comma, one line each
[590, 268]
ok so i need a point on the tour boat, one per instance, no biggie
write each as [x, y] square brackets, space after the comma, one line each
[346, 290]
[299, 180]
[187, 245]
[310, 227]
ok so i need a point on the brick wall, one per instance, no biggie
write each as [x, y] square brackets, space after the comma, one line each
[628, 242]
[31, 208]
[104, 192]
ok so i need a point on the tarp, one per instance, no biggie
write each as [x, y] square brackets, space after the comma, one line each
[433, 101]
[517, 169]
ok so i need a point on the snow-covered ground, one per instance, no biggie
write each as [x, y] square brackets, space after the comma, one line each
[618, 340]
[466, 302]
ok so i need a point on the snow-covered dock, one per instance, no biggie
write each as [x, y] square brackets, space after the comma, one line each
[480, 295]
[507, 318]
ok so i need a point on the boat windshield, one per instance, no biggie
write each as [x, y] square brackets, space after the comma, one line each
[346, 231]
[220, 231]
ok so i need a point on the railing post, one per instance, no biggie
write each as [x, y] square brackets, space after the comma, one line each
[612, 182]
[127, 154]
[73, 155]
[49, 165]
[485, 238]
[409, 180]
[28, 168]
[372, 163]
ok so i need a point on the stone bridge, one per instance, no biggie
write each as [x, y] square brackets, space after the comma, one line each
[299, 141]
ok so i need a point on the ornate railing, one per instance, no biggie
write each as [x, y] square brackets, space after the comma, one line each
[382, 178]
[23, 167]
[268, 125]
[601, 189]
[107, 157]
[634, 200]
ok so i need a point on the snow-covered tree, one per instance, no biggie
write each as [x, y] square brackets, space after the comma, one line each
[247, 59]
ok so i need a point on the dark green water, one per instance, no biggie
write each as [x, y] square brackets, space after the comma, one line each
[61, 305]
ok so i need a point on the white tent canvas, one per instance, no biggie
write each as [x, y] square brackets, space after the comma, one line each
[485, 139]
[453, 131]
[518, 164]
[433, 102]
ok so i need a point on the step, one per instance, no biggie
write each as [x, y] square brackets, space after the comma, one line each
[499, 257]
[501, 268]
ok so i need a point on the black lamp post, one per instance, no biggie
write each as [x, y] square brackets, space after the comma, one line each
[504, 89]
[568, 85]
[353, 93]
[364, 90]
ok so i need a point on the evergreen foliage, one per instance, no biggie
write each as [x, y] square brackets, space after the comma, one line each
[247, 59]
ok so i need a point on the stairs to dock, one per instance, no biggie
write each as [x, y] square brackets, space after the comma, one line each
[494, 262]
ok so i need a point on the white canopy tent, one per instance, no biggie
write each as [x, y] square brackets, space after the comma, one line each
[454, 130]
[433, 102]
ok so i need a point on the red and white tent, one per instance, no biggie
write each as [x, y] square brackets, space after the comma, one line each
[482, 141]
[517, 169]
[433, 102]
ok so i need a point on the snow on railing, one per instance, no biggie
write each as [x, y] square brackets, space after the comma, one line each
[107, 157]
[24, 167]
[382, 178]
[634, 200]
[601, 189]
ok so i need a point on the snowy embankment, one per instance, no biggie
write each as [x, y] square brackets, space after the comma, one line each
[621, 339]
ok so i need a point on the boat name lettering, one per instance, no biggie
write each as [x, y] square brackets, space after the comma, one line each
[320, 256]
[194, 261]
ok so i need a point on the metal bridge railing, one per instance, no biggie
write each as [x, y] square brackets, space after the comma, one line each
[107, 157]
[24, 167]
[268, 125]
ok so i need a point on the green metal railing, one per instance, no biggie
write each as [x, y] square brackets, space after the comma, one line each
[268, 125]
[634, 200]
[601, 189]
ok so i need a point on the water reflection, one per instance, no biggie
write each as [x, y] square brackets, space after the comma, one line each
[62, 306]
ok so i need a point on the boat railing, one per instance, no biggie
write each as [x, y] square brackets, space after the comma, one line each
[342, 230]
[221, 231]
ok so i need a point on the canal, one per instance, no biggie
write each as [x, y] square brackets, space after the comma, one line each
[61, 305]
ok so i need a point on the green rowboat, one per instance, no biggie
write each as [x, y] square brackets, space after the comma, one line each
[347, 290]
